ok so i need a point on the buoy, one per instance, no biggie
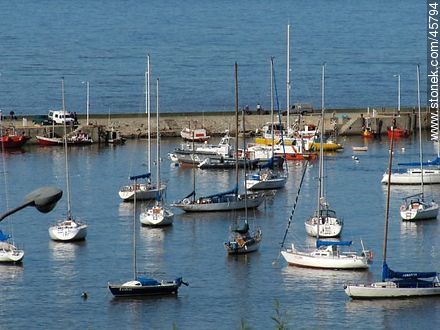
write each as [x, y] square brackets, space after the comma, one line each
[403, 149]
[84, 295]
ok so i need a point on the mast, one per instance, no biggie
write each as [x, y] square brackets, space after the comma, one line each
[88, 103]
[66, 160]
[288, 79]
[321, 146]
[420, 132]
[387, 209]
[236, 125]
[244, 168]
[158, 139]
[271, 103]
[134, 231]
[148, 110]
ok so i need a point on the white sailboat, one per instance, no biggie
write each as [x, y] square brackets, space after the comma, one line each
[145, 190]
[327, 255]
[415, 207]
[324, 223]
[225, 201]
[158, 215]
[67, 229]
[395, 284]
[267, 178]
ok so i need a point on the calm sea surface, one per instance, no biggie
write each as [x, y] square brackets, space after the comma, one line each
[193, 46]
[224, 291]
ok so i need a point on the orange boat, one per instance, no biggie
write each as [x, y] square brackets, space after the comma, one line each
[12, 140]
[397, 132]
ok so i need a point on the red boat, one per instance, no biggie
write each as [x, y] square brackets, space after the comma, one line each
[75, 140]
[397, 132]
[9, 141]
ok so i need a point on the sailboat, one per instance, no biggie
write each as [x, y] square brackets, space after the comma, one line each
[266, 178]
[67, 229]
[225, 201]
[242, 240]
[158, 215]
[326, 255]
[415, 207]
[141, 285]
[395, 284]
[146, 190]
[324, 223]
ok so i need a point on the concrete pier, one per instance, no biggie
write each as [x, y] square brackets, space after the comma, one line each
[342, 121]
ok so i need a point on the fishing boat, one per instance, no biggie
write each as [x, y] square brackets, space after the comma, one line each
[191, 153]
[8, 251]
[395, 284]
[141, 285]
[397, 132]
[67, 229]
[113, 136]
[267, 178]
[76, 138]
[159, 214]
[415, 207]
[194, 134]
[324, 222]
[9, 139]
[145, 190]
[225, 201]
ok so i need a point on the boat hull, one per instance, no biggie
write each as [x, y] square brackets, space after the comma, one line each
[301, 259]
[248, 248]
[384, 290]
[68, 233]
[331, 228]
[9, 253]
[413, 176]
[13, 141]
[412, 214]
[144, 191]
[229, 203]
[157, 216]
[142, 291]
[277, 183]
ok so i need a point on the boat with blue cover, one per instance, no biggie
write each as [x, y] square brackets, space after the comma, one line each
[395, 284]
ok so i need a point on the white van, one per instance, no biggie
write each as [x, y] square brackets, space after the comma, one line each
[60, 116]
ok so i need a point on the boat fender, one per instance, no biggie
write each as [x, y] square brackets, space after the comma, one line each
[186, 201]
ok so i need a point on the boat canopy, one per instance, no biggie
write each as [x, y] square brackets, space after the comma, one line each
[320, 243]
[4, 237]
[141, 176]
[428, 163]
[269, 164]
[146, 281]
[242, 230]
[232, 191]
[387, 273]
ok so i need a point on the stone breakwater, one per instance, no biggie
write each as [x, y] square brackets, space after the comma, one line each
[343, 122]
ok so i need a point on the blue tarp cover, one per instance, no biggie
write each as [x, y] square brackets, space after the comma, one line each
[387, 273]
[233, 191]
[269, 164]
[147, 281]
[329, 243]
[141, 176]
[4, 237]
[428, 163]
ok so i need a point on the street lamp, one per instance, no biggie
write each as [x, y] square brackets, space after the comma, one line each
[43, 199]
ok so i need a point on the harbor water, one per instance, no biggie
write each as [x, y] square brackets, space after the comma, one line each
[193, 46]
[225, 292]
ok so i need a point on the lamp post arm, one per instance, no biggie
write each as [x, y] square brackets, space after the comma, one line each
[18, 208]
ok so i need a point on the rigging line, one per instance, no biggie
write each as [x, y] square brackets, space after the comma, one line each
[294, 206]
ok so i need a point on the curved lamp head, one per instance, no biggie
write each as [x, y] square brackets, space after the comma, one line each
[43, 199]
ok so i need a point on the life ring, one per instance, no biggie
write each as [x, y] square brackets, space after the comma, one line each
[186, 201]
[402, 208]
